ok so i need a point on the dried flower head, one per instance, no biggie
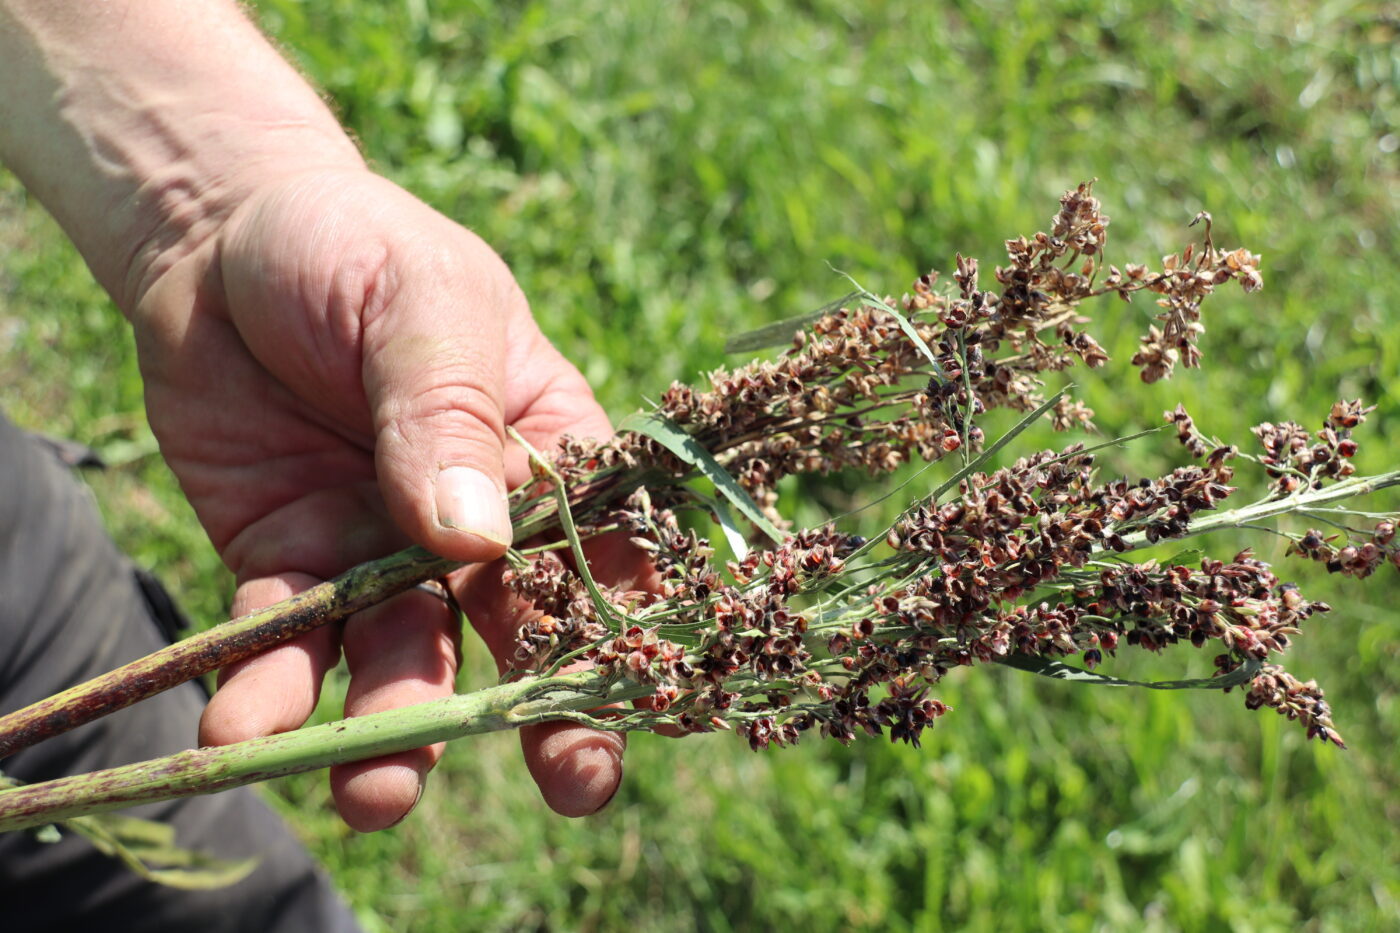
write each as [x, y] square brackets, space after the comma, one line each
[1019, 564]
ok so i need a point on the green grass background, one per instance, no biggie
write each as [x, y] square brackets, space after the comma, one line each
[661, 175]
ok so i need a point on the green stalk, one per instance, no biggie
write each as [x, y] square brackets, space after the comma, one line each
[336, 599]
[1344, 489]
[209, 770]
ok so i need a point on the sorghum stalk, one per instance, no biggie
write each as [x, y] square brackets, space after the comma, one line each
[331, 601]
[209, 770]
[336, 599]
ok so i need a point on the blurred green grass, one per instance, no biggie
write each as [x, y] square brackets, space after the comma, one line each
[663, 175]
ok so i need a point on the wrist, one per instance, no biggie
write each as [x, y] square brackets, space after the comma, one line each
[197, 178]
[141, 128]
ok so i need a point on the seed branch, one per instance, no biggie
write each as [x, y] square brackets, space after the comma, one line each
[1245, 516]
[504, 706]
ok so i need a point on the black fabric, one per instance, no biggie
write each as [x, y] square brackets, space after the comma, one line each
[70, 452]
[161, 607]
[72, 607]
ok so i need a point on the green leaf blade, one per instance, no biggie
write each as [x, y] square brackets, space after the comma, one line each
[679, 442]
[781, 332]
[1058, 670]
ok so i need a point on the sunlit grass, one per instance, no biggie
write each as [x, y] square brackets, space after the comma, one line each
[662, 176]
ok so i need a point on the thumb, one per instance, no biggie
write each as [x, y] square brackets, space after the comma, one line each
[433, 359]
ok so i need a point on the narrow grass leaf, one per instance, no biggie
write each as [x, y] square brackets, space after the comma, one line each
[149, 849]
[780, 333]
[905, 324]
[737, 543]
[671, 436]
[1058, 670]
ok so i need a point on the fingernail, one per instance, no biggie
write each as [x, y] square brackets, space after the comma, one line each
[616, 787]
[411, 807]
[420, 780]
[469, 500]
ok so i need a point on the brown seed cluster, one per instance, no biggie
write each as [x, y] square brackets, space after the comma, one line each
[746, 632]
[736, 650]
[1241, 604]
[1042, 276]
[567, 620]
[856, 393]
[750, 657]
[1184, 282]
[1009, 530]
[1011, 533]
[1354, 555]
[1186, 433]
[1300, 701]
[1162, 508]
[1299, 460]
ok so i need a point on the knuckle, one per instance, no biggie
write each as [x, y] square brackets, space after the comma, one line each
[459, 409]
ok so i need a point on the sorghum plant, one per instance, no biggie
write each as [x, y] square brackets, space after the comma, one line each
[821, 632]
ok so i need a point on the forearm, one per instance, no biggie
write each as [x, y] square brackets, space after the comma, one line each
[140, 124]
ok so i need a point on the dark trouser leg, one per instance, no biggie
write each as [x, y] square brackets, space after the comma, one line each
[71, 607]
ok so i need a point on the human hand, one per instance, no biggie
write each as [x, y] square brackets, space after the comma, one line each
[329, 372]
[329, 363]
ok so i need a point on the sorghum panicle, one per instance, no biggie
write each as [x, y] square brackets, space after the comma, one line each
[1021, 560]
